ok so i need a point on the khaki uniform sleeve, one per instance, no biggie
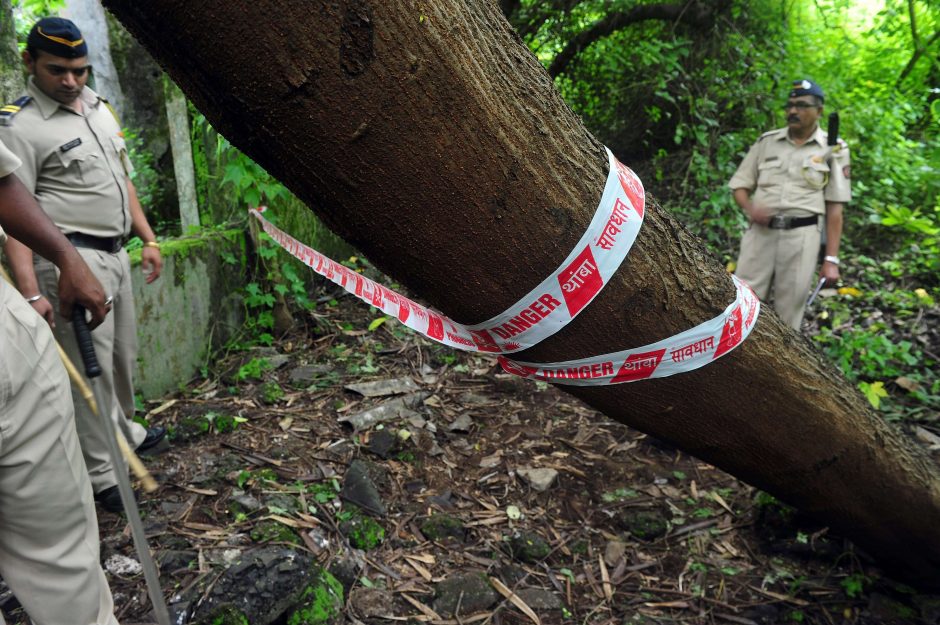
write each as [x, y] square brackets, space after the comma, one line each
[26, 153]
[746, 175]
[839, 188]
[9, 162]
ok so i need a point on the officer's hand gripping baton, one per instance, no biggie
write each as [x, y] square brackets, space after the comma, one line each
[93, 370]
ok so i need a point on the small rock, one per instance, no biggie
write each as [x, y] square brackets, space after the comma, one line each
[319, 540]
[282, 501]
[248, 503]
[277, 361]
[645, 524]
[444, 500]
[261, 584]
[382, 443]
[371, 602]
[321, 602]
[471, 592]
[441, 526]
[122, 566]
[346, 567]
[539, 479]
[382, 388]
[539, 599]
[463, 423]
[392, 409]
[614, 552]
[470, 398]
[528, 547]
[359, 488]
[307, 374]
[175, 560]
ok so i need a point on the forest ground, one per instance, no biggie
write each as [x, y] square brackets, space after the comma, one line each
[629, 531]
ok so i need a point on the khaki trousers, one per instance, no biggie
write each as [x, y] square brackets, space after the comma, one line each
[48, 529]
[116, 346]
[782, 262]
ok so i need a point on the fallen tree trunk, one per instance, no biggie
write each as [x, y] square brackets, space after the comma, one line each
[430, 138]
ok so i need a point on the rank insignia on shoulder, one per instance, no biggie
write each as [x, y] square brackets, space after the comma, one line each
[74, 143]
[10, 110]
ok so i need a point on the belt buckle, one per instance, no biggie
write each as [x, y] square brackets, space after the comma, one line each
[779, 222]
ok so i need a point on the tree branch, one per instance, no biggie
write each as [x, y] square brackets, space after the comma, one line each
[913, 17]
[605, 27]
[919, 52]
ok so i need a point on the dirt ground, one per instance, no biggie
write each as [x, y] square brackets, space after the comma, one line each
[625, 529]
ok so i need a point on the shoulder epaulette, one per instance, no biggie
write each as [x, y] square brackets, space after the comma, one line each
[8, 112]
[770, 133]
[113, 111]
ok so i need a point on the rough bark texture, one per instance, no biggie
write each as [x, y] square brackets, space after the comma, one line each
[429, 137]
[11, 68]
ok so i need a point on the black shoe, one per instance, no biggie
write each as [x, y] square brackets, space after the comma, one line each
[154, 435]
[110, 500]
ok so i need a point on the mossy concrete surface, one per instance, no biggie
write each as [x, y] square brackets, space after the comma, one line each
[194, 305]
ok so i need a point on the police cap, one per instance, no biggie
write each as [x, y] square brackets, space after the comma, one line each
[57, 36]
[806, 87]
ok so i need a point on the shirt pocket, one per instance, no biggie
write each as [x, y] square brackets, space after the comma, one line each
[815, 173]
[770, 172]
[85, 166]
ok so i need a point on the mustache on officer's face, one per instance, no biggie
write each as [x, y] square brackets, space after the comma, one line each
[793, 118]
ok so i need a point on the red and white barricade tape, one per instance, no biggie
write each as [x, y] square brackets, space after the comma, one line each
[551, 305]
[686, 351]
[544, 310]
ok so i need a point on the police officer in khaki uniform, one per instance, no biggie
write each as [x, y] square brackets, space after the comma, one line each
[787, 184]
[76, 165]
[48, 529]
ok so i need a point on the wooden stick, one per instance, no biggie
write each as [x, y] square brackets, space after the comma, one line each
[140, 471]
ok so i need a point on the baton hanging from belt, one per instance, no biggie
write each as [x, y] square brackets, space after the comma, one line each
[816, 291]
[93, 370]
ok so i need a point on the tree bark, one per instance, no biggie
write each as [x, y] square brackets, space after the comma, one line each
[430, 138]
[12, 81]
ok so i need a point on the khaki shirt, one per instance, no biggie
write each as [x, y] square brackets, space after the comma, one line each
[75, 164]
[8, 164]
[792, 178]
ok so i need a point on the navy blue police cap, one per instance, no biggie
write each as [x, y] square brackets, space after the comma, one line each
[806, 87]
[57, 36]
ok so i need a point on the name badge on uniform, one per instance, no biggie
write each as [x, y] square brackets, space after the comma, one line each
[74, 143]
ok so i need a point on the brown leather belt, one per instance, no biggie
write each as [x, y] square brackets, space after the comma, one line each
[105, 244]
[787, 222]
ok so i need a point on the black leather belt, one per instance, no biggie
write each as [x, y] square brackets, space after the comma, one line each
[787, 222]
[104, 244]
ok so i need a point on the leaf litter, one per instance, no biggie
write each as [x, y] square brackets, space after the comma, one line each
[628, 530]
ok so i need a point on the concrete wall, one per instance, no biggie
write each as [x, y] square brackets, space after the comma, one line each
[195, 305]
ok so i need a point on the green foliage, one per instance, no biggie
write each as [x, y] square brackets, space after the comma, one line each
[320, 603]
[26, 12]
[681, 104]
[254, 369]
[362, 531]
[854, 585]
[271, 392]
